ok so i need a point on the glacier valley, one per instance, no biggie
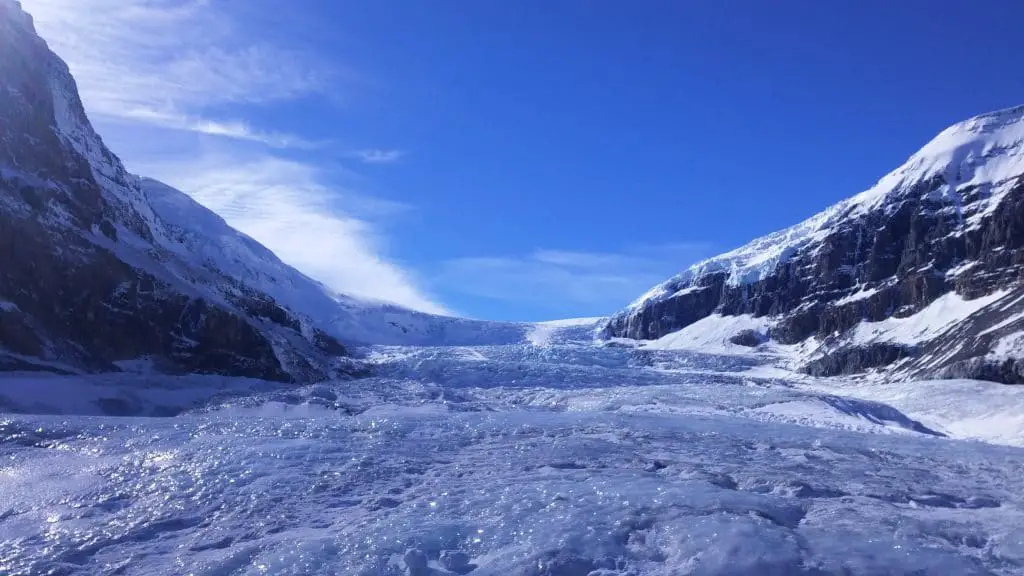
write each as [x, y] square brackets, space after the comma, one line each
[552, 456]
[176, 400]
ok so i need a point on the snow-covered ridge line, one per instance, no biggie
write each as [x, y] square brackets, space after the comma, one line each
[985, 148]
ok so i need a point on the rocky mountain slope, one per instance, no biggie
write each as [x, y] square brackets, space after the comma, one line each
[920, 274]
[101, 268]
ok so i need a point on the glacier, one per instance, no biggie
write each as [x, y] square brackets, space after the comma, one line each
[461, 446]
[556, 455]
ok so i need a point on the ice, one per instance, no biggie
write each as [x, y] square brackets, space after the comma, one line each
[563, 459]
[581, 329]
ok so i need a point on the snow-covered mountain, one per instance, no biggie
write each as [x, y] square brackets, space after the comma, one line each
[920, 273]
[100, 270]
[104, 270]
[208, 242]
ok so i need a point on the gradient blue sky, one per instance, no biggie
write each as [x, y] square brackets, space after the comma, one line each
[533, 159]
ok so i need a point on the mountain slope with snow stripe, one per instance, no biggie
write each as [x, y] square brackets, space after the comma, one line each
[986, 149]
[948, 223]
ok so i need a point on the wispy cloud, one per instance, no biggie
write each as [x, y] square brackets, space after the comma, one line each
[288, 208]
[236, 129]
[197, 70]
[592, 282]
[378, 156]
[168, 61]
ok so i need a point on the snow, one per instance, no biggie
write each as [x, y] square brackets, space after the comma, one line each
[712, 333]
[961, 268]
[546, 333]
[985, 151]
[690, 290]
[961, 408]
[560, 459]
[932, 321]
[1009, 320]
[204, 241]
[138, 392]
[1009, 346]
[512, 448]
[862, 294]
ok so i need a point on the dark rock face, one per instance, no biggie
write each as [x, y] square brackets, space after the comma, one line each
[73, 290]
[1006, 371]
[929, 232]
[748, 338]
[902, 253]
[854, 359]
[328, 344]
[93, 309]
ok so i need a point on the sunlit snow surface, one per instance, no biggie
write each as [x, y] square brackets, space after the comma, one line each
[530, 460]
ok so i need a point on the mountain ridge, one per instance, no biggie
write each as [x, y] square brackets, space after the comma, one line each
[949, 219]
[104, 269]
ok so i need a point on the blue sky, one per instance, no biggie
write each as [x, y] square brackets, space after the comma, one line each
[525, 160]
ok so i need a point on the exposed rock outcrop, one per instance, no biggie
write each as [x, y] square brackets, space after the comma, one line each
[748, 338]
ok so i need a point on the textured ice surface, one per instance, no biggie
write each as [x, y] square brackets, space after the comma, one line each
[512, 460]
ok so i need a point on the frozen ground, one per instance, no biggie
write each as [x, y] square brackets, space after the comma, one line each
[558, 459]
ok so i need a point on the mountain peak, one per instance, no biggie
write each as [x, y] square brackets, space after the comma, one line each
[18, 14]
[949, 221]
[973, 142]
[988, 148]
[991, 120]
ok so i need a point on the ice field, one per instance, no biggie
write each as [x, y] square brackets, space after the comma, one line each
[562, 458]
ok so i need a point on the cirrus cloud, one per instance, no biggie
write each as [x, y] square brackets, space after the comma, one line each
[321, 229]
[154, 60]
[151, 71]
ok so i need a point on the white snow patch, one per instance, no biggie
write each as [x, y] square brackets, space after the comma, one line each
[690, 290]
[932, 321]
[712, 333]
[862, 294]
[1009, 346]
[820, 412]
[961, 268]
[969, 409]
